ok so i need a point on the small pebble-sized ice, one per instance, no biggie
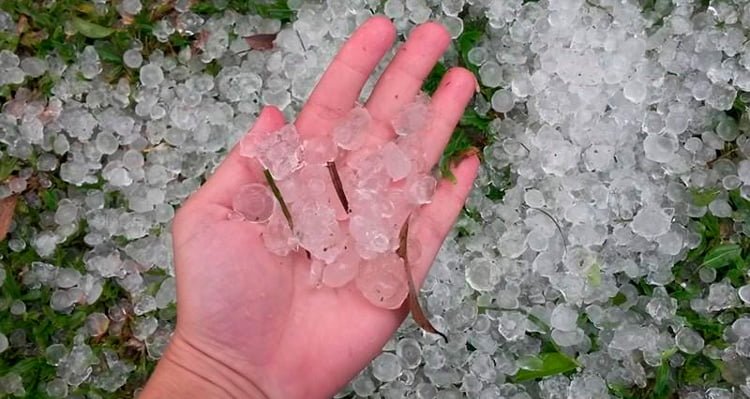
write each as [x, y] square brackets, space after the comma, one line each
[144, 304]
[413, 117]
[343, 270]
[386, 367]
[421, 189]
[743, 171]
[480, 274]
[167, 293]
[280, 151]
[130, 7]
[351, 132]
[741, 327]
[744, 293]
[720, 208]
[55, 354]
[17, 307]
[319, 150]
[67, 277]
[635, 91]
[97, 324]
[34, 67]
[254, 202]
[742, 347]
[132, 58]
[688, 341]
[383, 282]
[151, 75]
[660, 148]
[564, 317]
[502, 101]
[3, 343]
[397, 162]
[57, 388]
[410, 352]
[651, 222]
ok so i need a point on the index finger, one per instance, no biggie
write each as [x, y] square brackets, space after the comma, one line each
[339, 88]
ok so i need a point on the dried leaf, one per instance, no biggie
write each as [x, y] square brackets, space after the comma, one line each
[336, 180]
[414, 307]
[22, 26]
[7, 208]
[277, 194]
[261, 41]
[200, 41]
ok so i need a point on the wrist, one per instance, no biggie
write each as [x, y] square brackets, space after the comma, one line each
[186, 371]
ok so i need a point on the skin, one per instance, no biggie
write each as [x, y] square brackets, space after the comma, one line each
[250, 324]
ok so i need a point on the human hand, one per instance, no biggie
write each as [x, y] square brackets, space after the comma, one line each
[249, 322]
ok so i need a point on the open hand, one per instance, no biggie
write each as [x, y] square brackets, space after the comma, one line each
[250, 324]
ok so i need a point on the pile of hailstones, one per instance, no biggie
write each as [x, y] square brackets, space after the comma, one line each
[381, 187]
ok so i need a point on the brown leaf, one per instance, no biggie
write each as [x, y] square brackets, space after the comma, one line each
[7, 208]
[414, 307]
[200, 41]
[261, 41]
[33, 38]
[22, 25]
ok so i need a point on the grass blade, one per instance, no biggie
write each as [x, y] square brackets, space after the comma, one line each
[722, 256]
[336, 180]
[414, 307]
[552, 363]
[277, 194]
[90, 29]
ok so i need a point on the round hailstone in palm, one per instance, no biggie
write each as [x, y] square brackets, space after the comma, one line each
[370, 234]
[396, 161]
[343, 270]
[382, 281]
[277, 237]
[351, 132]
[318, 231]
[280, 152]
[413, 147]
[421, 189]
[254, 202]
[414, 117]
[319, 150]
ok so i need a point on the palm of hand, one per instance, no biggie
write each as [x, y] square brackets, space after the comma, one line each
[256, 312]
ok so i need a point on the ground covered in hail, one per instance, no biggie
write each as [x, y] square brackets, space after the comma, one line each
[603, 252]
